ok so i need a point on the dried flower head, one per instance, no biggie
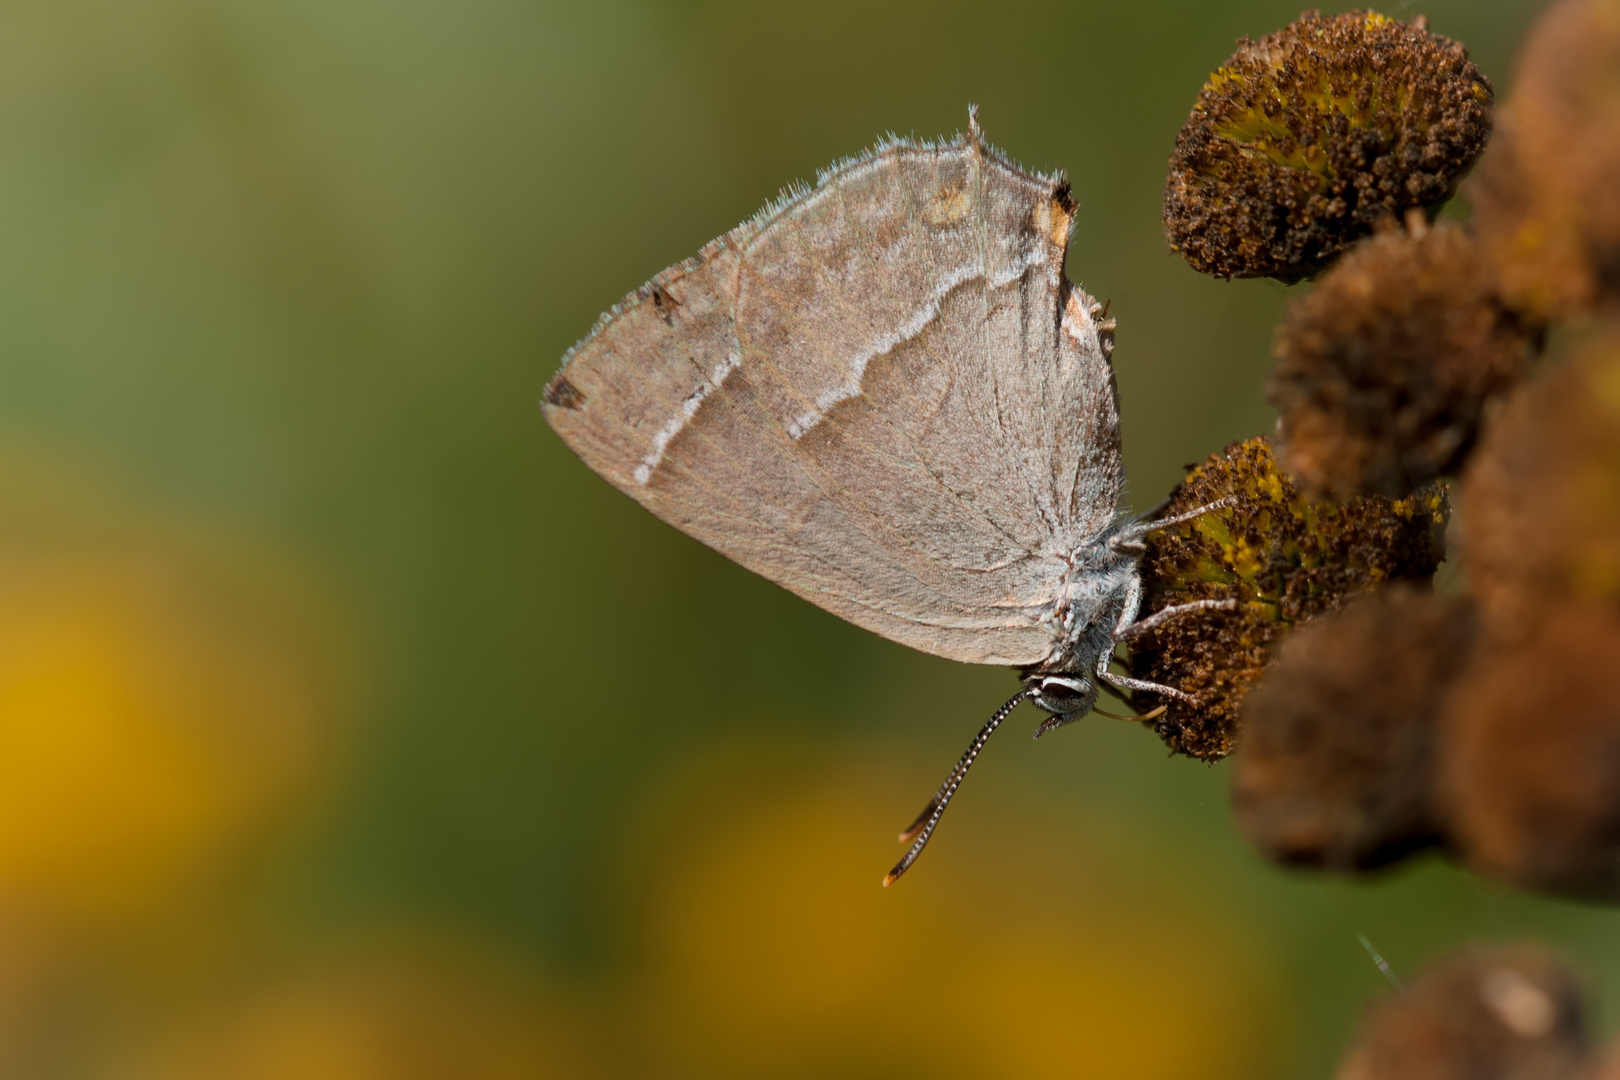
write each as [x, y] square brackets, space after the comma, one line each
[1530, 776]
[1533, 730]
[1303, 141]
[1283, 558]
[1383, 372]
[1337, 768]
[1501, 1012]
[1547, 196]
[1542, 495]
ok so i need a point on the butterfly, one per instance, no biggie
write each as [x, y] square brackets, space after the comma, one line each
[882, 393]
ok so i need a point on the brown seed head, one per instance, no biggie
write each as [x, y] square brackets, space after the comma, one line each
[1283, 558]
[1532, 766]
[1529, 780]
[1337, 767]
[1547, 195]
[1541, 522]
[1303, 141]
[1384, 371]
[1500, 1012]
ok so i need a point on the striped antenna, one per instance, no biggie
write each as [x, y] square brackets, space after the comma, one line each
[920, 830]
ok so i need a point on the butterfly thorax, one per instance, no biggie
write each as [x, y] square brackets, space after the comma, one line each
[1102, 582]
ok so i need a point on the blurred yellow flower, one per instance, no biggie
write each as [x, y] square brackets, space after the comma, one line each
[158, 711]
[1020, 953]
[407, 1010]
[766, 948]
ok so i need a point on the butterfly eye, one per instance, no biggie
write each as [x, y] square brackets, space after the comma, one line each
[1059, 690]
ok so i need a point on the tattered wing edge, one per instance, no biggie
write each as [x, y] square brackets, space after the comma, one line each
[789, 197]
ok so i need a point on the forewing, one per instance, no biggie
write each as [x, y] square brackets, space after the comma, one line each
[880, 394]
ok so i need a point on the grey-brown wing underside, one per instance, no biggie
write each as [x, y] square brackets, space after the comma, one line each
[880, 393]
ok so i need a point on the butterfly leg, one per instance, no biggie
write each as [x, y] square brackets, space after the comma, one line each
[1207, 508]
[1129, 539]
[1164, 615]
[1142, 684]
[1129, 626]
[1127, 617]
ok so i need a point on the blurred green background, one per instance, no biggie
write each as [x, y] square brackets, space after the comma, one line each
[349, 727]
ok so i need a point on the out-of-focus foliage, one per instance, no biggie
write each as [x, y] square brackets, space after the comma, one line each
[349, 727]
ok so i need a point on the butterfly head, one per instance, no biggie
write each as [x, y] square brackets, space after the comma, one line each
[1062, 695]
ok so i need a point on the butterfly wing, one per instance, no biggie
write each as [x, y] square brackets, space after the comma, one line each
[880, 393]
